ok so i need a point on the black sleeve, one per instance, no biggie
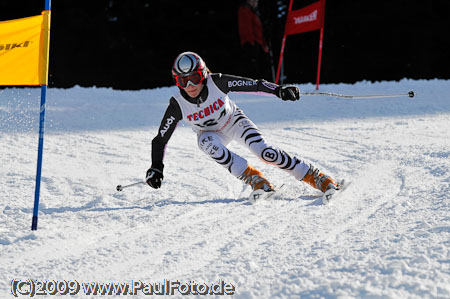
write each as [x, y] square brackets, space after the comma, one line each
[168, 124]
[227, 83]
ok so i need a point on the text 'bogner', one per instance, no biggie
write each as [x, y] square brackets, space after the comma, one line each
[241, 83]
[309, 18]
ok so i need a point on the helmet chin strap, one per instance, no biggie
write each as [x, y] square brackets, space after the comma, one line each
[199, 99]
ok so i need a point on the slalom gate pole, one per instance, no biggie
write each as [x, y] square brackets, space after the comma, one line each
[34, 221]
[39, 159]
[336, 95]
[320, 44]
[120, 187]
[319, 64]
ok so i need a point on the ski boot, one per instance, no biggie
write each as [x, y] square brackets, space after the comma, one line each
[256, 179]
[262, 188]
[318, 180]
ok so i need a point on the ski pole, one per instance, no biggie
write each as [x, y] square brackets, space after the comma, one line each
[120, 187]
[409, 94]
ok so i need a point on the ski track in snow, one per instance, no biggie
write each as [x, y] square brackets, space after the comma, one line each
[387, 236]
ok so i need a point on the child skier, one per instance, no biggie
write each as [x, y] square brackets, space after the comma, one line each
[202, 101]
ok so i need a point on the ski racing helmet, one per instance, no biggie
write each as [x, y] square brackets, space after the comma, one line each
[189, 68]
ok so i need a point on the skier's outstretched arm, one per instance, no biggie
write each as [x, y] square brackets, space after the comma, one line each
[172, 116]
[228, 83]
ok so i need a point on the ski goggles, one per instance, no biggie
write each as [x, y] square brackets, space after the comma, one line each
[194, 78]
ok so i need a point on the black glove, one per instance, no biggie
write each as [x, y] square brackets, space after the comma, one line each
[154, 178]
[288, 93]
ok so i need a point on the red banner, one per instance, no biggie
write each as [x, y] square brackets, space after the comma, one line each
[306, 19]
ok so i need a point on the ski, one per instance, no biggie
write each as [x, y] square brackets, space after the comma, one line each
[332, 194]
[260, 194]
[327, 196]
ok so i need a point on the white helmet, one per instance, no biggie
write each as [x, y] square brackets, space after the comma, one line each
[189, 68]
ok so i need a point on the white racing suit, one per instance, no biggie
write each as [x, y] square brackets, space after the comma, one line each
[218, 121]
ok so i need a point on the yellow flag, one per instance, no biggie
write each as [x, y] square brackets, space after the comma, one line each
[24, 46]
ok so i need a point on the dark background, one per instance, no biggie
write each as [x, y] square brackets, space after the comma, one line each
[131, 44]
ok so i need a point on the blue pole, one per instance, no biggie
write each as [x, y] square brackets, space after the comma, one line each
[39, 159]
[40, 148]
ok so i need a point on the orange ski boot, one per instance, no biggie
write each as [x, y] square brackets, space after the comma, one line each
[319, 180]
[256, 179]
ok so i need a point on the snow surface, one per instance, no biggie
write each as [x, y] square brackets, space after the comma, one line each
[388, 236]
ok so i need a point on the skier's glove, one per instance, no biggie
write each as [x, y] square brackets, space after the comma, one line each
[288, 93]
[154, 178]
